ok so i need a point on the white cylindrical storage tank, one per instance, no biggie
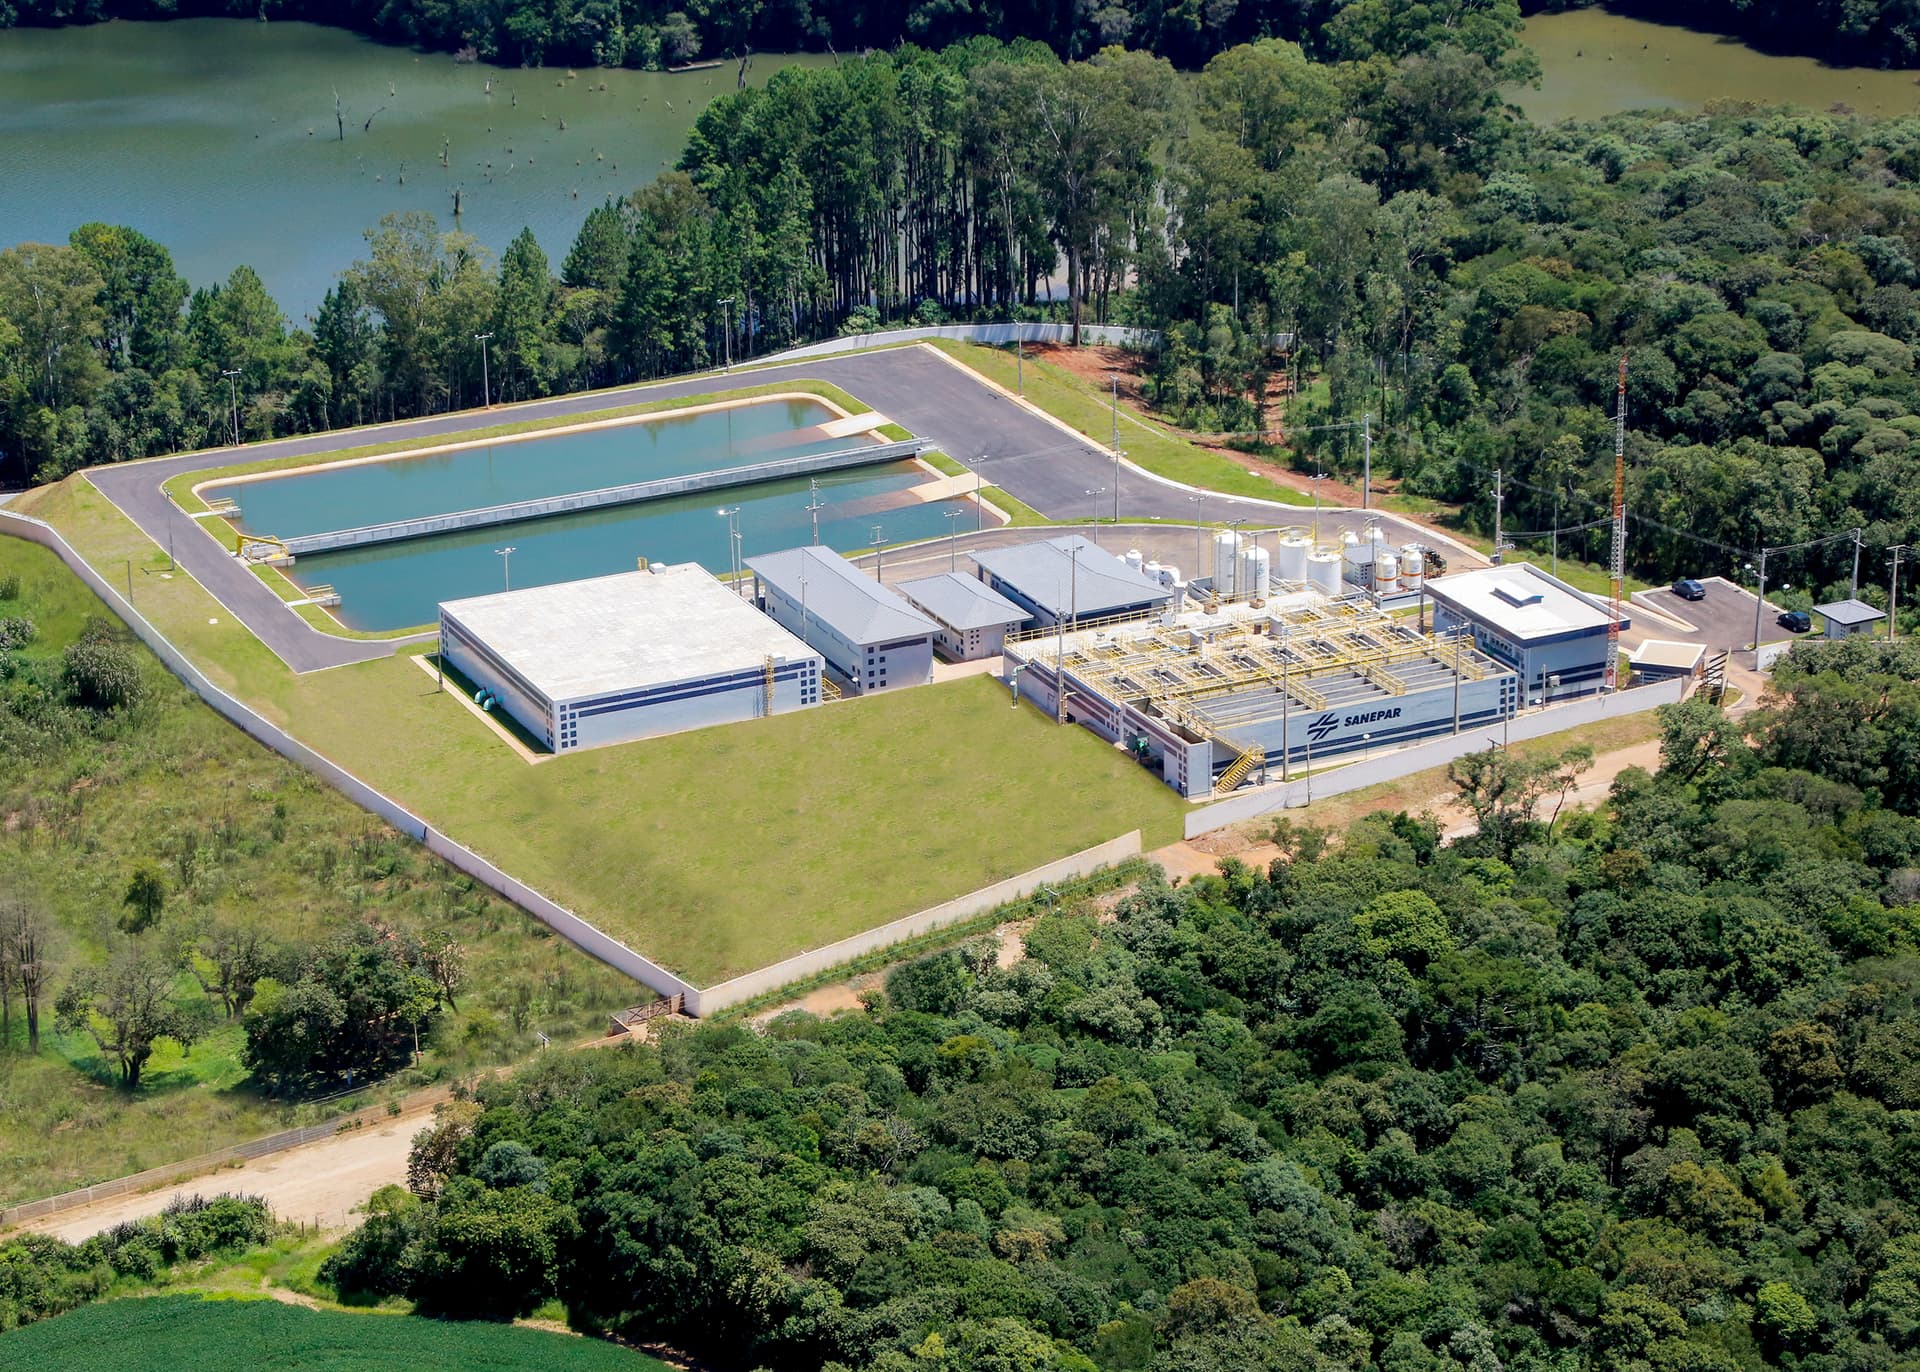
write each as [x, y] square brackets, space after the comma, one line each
[1294, 546]
[1151, 571]
[1323, 570]
[1226, 547]
[1378, 537]
[1170, 576]
[1386, 574]
[1133, 559]
[1256, 572]
[1413, 566]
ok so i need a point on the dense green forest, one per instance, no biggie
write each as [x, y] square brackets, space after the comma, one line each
[1468, 277]
[1633, 1089]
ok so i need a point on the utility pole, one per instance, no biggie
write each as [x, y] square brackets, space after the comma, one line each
[1096, 493]
[725, 303]
[814, 506]
[731, 514]
[1199, 535]
[1019, 367]
[1617, 568]
[1853, 586]
[879, 544]
[1366, 460]
[1759, 604]
[953, 540]
[1893, 590]
[1556, 533]
[486, 385]
[233, 402]
[1114, 377]
[1498, 502]
[1060, 638]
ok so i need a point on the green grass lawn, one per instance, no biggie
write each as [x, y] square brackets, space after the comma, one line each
[714, 852]
[1146, 444]
[168, 1333]
[269, 846]
[719, 851]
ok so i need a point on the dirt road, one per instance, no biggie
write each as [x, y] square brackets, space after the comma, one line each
[318, 1184]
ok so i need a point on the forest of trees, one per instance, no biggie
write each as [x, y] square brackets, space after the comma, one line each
[1468, 277]
[1869, 33]
[1633, 1089]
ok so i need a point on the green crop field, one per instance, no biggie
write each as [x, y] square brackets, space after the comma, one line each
[165, 1334]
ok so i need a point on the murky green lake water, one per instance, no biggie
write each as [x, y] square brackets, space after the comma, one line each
[217, 138]
[1595, 64]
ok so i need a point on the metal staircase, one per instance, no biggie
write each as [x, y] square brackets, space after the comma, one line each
[1237, 770]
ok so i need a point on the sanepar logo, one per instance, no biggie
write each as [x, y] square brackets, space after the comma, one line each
[1325, 725]
[1321, 727]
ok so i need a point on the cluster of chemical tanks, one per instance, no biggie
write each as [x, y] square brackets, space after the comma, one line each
[1242, 568]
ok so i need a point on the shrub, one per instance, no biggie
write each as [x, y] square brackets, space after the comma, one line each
[16, 631]
[101, 674]
[10, 586]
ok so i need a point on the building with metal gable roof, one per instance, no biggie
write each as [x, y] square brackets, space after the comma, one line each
[1069, 579]
[973, 618]
[871, 638]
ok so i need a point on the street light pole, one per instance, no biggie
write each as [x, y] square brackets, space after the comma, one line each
[486, 382]
[731, 514]
[1759, 604]
[879, 551]
[953, 540]
[1366, 461]
[726, 328]
[233, 402]
[814, 506]
[1199, 535]
[1853, 586]
[1096, 493]
[506, 565]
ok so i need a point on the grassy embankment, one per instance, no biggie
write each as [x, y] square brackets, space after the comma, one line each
[1146, 444]
[242, 836]
[237, 1334]
[714, 852]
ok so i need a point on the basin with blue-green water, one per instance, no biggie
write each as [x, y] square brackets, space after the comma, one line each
[398, 585]
[528, 467]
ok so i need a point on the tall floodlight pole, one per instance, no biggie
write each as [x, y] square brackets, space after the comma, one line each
[1499, 509]
[814, 506]
[879, 545]
[486, 383]
[953, 539]
[233, 402]
[1617, 567]
[1095, 494]
[1060, 636]
[1893, 590]
[506, 565]
[725, 303]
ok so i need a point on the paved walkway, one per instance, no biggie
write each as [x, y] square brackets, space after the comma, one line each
[1013, 446]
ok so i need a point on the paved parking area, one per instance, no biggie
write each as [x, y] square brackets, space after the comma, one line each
[1723, 620]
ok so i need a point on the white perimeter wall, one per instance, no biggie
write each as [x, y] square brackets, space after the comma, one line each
[1432, 753]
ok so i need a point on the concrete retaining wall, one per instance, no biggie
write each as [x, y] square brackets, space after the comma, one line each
[1433, 753]
[800, 966]
[630, 494]
[562, 921]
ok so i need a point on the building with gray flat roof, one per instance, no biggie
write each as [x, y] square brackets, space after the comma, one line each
[973, 618]
[1069, 578]
[871, 638]
[614, 658]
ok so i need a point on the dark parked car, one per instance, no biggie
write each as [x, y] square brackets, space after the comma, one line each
[1689, 589]
[1796, 621]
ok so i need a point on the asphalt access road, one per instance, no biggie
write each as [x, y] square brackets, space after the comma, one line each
[1723, 620]
[1013, 447]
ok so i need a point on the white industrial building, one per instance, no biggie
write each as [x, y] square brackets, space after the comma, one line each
[1553, 635]
[613, 658]
[871, 638]
[1071, 579]
[973, 618]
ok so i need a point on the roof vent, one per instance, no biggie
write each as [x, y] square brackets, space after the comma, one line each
[1517, 593]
